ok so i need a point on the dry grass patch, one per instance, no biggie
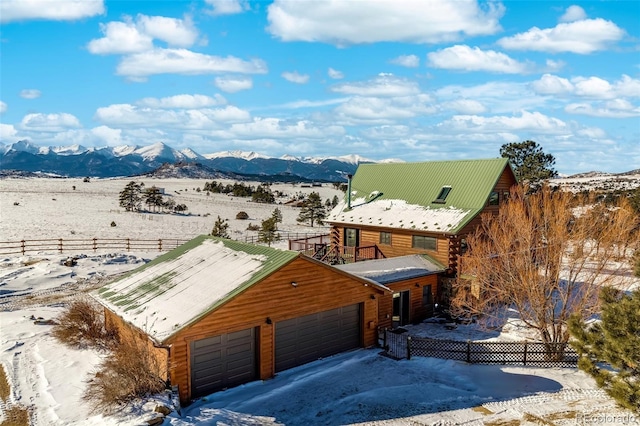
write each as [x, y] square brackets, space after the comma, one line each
[130, 372]
[14, 415]
[503, 423]
[82, 326]
[483, 410]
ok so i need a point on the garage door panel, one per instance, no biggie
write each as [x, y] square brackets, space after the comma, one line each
[223, 361]
[305, 339]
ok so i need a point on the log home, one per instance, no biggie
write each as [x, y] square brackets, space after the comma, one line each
[399, 209]
[219, 313]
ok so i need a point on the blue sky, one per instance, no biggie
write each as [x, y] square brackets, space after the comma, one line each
[385, 79]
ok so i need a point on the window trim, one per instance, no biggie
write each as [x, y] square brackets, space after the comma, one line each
[387, 234]
[442, 196]
[494, 198]
[424, 238]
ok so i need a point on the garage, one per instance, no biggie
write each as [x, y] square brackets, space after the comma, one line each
[223, 361]
[310, 337]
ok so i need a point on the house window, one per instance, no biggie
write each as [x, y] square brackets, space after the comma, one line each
[385, 238]
[494, 198]
[351, 237]
[443, 195]
[422, 242]
[427, 296]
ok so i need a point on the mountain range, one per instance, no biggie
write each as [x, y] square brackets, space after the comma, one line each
[162, 160]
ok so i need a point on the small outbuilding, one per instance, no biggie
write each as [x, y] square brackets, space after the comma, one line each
[221, 313]
[413, 281]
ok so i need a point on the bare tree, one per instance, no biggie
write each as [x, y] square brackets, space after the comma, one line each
[545, 255]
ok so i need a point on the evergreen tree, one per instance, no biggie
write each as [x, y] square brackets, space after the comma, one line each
[530, 164]
[312, 210]
[636, 263]
[153, 198]
[335, 201]
[268, 232]
[615, 340]
[130, 197]
[277, 216]
[220, 228]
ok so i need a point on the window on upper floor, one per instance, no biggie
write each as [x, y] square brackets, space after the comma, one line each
[424, 242]
[494, 198]
[385, 238]
[442, 196]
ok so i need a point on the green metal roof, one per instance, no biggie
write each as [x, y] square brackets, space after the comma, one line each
[419, 184]
[181, 286]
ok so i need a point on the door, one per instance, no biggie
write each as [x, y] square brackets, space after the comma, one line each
[223, 361]
[400, 308]
[351, 237]
[310, 337]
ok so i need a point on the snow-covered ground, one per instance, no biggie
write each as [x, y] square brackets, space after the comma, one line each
[358, 387]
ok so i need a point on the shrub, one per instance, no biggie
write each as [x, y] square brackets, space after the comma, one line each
[253, 227]
[82, 326]
[113, 224]
[242, 216]
[129, 373]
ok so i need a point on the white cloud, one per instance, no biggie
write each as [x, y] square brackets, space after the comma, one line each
[312, 104]
[120, 37]
[278, 128]
[335, 74]
[588, 87]
[552, 85]
[352, 22]
[61, 10]
[8, 133]
[3, 107]
[383, 85]
[361, 109]
[409, 61]
[124, 37]
[573, 13]
[30, 94]
[183, 61]
[183, 101]
[227, 7]
[462, 57]
[295, 77]
[49, 122]
[176, 32]
[127, 115]
[107, 135]
[233, 84]
[617, 108]
[526, 121]
[582, 37]
[465, 106]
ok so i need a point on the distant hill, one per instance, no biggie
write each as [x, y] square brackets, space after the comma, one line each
[156, 160]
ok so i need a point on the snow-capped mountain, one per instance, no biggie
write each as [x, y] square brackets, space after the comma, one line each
[127, 160]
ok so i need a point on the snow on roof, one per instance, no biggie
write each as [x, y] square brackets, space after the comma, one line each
[163, 297]
[385, 271]
[399, 214]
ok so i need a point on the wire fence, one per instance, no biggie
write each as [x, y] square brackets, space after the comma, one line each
[399, 345]
[61, 245]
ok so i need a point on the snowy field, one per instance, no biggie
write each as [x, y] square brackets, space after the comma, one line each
[358, 387]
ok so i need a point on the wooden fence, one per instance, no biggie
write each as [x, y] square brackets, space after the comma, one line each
[536, 354]
[61, 245]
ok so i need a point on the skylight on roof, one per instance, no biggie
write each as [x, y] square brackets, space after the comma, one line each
[442, 197]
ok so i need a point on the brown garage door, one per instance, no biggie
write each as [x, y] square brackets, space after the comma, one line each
[223, 361]
[305, 339]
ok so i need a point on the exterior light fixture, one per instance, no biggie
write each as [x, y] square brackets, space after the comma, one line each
[294, 284]
[268, 321]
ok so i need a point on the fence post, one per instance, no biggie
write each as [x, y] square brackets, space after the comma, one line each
[22, 245]
[95, 244]
[408, 347]
[128, 245]
[469, 351]
[384, 340]
[60, 245]
[524, 360]
[160, 244]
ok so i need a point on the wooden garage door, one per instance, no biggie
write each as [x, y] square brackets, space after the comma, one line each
[305, 339]
[223, 361]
